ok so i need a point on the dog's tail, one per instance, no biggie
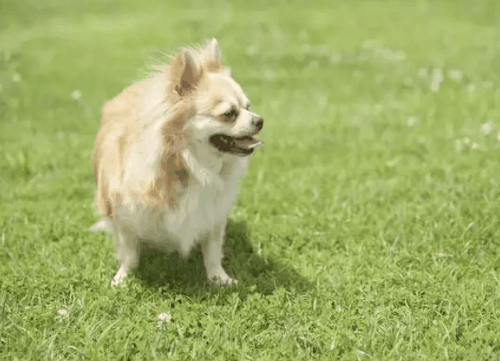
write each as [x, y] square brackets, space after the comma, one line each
[102, 225]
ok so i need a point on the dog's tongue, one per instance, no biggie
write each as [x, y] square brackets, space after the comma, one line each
[247, 142]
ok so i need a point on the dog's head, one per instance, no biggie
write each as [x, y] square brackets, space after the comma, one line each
[220, 119]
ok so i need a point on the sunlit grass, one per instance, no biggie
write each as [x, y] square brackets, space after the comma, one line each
[367, 226]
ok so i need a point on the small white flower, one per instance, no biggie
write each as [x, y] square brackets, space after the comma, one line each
[471, 88]
[412, 121]
[486, 128]
[437, 79]
[332, 346]
[455, 74]
[466, 141]
[16, 77]
[76, 94]
[164, 317]
[62, 313]
[474, 146]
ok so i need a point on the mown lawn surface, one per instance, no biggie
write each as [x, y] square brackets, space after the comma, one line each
[367, 227]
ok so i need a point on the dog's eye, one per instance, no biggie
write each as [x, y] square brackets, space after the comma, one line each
[231, 115]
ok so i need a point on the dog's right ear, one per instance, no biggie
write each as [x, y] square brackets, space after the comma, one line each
[184, 73]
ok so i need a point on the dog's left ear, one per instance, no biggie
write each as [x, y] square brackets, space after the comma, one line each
[212, 49]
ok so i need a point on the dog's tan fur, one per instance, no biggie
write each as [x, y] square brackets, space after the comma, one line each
[119, 129]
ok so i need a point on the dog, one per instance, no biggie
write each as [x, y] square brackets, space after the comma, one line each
[168, 157]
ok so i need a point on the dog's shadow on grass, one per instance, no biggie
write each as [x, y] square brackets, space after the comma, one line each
[187, 276]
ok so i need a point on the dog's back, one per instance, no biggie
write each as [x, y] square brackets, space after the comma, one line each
[119, 129]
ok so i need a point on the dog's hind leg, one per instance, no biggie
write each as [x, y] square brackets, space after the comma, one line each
[128, 251]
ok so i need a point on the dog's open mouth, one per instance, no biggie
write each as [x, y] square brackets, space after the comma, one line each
[239, 146]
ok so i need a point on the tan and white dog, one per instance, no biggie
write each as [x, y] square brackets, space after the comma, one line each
[168, 157]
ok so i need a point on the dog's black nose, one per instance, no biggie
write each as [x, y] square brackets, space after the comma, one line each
[258, 123]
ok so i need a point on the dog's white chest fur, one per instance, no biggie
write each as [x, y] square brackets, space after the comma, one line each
[204, 203]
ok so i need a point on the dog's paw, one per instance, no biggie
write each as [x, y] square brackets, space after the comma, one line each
[102, 225]
[223, 280]
[119, 277]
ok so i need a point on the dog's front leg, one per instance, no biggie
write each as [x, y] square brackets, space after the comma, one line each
[212, 257]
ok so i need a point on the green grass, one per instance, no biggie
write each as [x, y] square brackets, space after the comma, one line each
[367, 227]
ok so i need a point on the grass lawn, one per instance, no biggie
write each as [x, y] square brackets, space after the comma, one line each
[367, 227]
